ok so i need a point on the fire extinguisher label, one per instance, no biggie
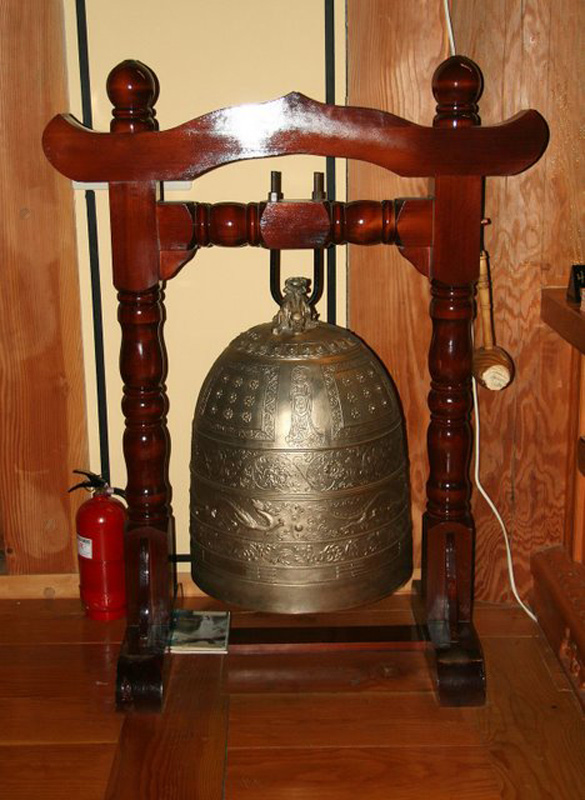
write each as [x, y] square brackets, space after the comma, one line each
[84, 547]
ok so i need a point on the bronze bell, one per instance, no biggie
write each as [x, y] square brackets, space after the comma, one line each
[300, 498]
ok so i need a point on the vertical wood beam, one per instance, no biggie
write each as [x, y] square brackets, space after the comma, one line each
[42, 396]
[393, 49]
[530, 55]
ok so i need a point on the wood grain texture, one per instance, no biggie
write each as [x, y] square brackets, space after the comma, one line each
[530, 57]
[559, 603]
[374, 773]
[56, 772]
[393, 50]
[568, 321]
[26, 622]
[180, 753]
[346, 738]
[575, 540]
[535, 733]
[364, 720]
[291, 125]
[58, 720]
[34, 587]
[42, 424]
[69, 670]
[563, 317]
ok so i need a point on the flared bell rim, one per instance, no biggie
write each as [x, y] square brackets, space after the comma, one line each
[319, 598]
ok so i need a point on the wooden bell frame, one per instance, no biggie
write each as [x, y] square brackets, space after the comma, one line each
[439, 235]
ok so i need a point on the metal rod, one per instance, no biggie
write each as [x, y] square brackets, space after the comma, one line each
[94, 262]
[275, 277]
[330, 162]
[317, 277]
[180, 558]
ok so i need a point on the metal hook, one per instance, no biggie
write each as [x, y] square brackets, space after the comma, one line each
[317, 282]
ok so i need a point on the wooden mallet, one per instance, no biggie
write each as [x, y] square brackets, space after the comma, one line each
[492, 366]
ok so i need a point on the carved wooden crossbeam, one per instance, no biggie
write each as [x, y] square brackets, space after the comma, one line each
[295, 125]
[292, 224]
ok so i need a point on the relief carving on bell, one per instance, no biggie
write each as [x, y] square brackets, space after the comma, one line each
[300, 499]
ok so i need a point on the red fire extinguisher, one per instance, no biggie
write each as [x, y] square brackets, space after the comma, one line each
[100, 548]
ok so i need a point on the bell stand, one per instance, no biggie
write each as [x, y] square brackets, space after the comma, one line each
[440, 236]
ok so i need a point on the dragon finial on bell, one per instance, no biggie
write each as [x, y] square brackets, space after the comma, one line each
[295, 314]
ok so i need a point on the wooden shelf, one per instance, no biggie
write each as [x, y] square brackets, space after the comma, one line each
[563, 317]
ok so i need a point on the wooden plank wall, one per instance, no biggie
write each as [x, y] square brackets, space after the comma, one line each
[531, 56]
[42, 419]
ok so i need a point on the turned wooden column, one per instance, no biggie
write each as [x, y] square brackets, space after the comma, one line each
[133, 90]
[448, 527]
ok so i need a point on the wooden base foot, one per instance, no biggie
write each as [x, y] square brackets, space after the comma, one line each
[456, 657]
[141, 673]
[459, 664]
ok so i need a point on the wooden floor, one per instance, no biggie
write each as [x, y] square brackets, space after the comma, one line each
[274, 727]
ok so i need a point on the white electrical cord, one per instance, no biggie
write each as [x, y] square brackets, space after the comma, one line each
[450, 33]
[492, 506]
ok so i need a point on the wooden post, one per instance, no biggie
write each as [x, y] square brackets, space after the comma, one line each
[448, 527]
[133, 89]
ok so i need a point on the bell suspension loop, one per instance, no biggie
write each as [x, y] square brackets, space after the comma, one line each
[274, 196]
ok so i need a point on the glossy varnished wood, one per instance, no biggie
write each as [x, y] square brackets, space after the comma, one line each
[294, 124]
[448, 542]
[42, 671]
[181, 752]
[295, 224]
[533, 729]
[364, 719]
[325, 773]
[330, 727]
[49, 772]
[133, 90]
[49, 622]
[184, 227]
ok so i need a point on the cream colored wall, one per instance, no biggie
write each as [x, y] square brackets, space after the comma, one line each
[207, 55]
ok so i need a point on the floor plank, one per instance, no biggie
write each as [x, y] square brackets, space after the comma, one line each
[370, 773]
[83, 719]
[365, 720]
[179, 754]
[55, 772]
[300, 727]
[69, 670]
[503, 621]
[534, 733]
[26, 622]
